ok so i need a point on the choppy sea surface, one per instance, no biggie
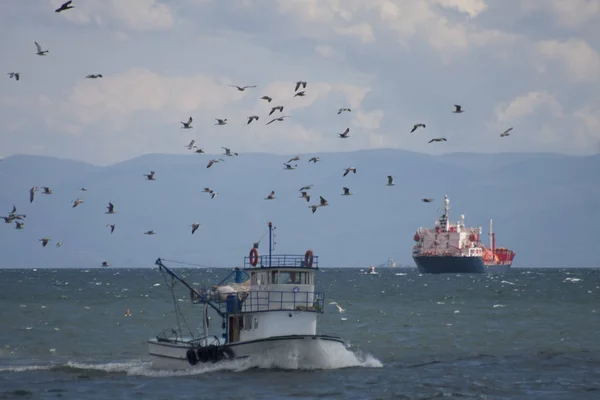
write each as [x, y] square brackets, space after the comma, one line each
[526, 334]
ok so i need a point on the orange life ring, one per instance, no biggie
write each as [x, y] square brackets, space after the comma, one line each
[308, 258]
[253, 257]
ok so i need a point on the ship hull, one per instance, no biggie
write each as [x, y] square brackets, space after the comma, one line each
[173, 354]
[456, 265]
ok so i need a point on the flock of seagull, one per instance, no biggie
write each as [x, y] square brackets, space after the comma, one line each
[299, 91]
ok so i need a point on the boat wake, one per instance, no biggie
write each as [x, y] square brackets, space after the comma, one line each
[331, 357]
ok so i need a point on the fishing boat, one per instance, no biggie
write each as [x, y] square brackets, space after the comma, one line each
[371, 271]
[268, 305]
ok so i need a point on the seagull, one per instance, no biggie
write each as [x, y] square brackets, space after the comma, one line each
[301, 94]
[506, 132]
[314, 207]
[195, 227]
[200, 151]
[289, 166]
[427, 200]
[267, 98]
[252, 118]
[442, 139]
[271, 196]
[346, 192]
[277, 119]
[150, 232]
[13, 212]
[458, 109]
[341, 110]
[59, 243]
[297, 158]
[221, 121]
[323, 202]
[150, 176]
[77, 202]
[94, 76]
[40, 52]
[213, 194]
[273, 109]
[340, 309]
[112, 227]
[307, 187]
[191, 145]
[47, 190]
[228, 152]
[105, 264]
[314, 159]
[348, 170]
[15, 75]
[65, 6]
[44, 241]
[305, 195]
[110, 208]
[390, 180]
[83, 189]
[18, 225]
[345, 134]
[187, 125]
[214, 161]
[300, 83]
[242, 88]
[32, 193]
[207, 190]
[417, 126]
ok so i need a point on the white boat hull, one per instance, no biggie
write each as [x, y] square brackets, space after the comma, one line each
[173, 354]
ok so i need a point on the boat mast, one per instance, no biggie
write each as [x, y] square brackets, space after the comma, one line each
[492, 239]
[270, 242]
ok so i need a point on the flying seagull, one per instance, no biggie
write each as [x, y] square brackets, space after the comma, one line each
[187, 125]
[65, 6]
[242, 88]
[252, 118]
[297, 158]
[442, 139]
[340, 309]
[94, 76]
[77, 202]
[314, 207]
[345, 134]
[44, 241]
[59, 243]
[191, 145]
[199, 151]
[271, 196]
[150, 232]
[110, 208]
[267, 98]
[195, 227]
[228, 152]
[458, 109]
[416, 126]
[18, 225]
[314, 159]
[341, 110]
[348, 170]
[40, 52]
[214, 161]
[300, 83]
[346, 192]
[305, 195]
[112, 227]
[47, 190]
[323, 202]
[290, 166]
[150, 176]
[277, 119]
[506, 132]
[390, 180]
[301, 94]
[307, 187]
[16, 75]
[105, 264]
[32, 193]
[221, 121]
[273, 109]
[427, 200]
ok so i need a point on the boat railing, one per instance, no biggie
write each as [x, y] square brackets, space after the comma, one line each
[283, 261]
[261, 301]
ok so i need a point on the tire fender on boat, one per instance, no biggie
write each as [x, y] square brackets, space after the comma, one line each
[308, 258]
[190, 355]
[202, 354]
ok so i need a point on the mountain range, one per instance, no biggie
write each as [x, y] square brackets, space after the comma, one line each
[544, 206]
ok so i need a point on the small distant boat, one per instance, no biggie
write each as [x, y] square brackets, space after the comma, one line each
[371, 271]
[271, 306]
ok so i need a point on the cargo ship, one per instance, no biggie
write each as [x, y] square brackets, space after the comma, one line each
[456, 248]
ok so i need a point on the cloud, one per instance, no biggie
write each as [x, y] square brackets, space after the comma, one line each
[582, 62]
[527, 105]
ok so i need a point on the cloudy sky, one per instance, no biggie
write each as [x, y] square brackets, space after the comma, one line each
[529, 64]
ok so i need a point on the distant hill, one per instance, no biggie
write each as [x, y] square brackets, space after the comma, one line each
[544, 206]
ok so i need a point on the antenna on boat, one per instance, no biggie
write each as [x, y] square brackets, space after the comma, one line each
[492, 239]
[270, 242]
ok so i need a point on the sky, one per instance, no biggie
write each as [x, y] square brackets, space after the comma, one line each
[533, 65]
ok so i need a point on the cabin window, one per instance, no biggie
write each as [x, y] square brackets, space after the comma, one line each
[290, 278]
[275, 277]
[261, 278]
[255, 323]
[253, 278]
[248, 322]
